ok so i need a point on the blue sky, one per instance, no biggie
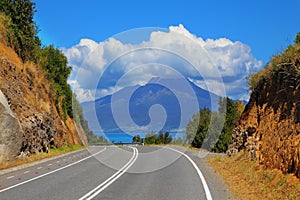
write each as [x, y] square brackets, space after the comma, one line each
[266, 26]
[240, 36]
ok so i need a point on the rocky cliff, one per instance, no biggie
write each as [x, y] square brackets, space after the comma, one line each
[269, 127]
[10, 131]
[31, 105]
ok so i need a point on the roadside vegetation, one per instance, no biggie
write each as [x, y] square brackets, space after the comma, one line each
[248, 180]
[209, 122]
[40, 156]
[153, 138]
[286, 63]
[161, 138]
[203, 130]
[19, 31]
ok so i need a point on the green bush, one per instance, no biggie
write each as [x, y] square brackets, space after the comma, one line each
[21, 29]
[161, 138]
[20, 32]
[286, 63]
[203, 131]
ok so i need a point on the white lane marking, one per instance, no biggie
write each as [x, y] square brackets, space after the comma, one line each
[49, 164]
[39, 167]
[10, 177]
[26, 172]
[27, 181]
[57, 161]
[90, 195]
[205, 186]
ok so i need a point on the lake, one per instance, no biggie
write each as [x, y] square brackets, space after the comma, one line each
[127, 138]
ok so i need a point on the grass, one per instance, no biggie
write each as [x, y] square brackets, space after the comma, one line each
[10, 54]
[248, 180]
[41, 156]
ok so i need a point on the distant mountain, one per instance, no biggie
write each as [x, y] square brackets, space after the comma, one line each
[132, 108]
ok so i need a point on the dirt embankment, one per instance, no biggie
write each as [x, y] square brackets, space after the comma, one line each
[269, 128]
[31, 101]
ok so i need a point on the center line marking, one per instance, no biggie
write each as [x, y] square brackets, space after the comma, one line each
[49, 164]
[90, 195]
[10, 177]
[26, 172]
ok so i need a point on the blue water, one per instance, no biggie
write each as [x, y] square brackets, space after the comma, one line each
[127, 138]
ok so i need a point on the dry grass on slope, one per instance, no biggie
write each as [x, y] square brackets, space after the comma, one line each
[10, 54]
[248, 180]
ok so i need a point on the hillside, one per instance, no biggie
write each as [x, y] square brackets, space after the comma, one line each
[30, 98]
[36, 102]
[269, 127]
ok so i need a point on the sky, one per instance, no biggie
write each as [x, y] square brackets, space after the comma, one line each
[239, 36]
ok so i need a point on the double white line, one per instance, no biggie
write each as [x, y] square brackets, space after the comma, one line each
[113, 178]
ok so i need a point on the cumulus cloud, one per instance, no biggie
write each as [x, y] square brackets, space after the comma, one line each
[212, 64]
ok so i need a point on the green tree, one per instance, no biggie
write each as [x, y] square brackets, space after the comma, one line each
[213, 130]
[22, 30]
[160, 138]
[197, 128]
[136, 138]
[167, 138]
[233, 112]
[150, 138]
[79, 119]
[18, 27]
[55, 64]
[297, 39]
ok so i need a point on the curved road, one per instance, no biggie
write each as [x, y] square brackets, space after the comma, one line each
[114, 173]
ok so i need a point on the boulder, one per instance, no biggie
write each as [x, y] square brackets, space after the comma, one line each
[10, 132]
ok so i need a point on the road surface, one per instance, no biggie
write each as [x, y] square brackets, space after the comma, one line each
[117, 173]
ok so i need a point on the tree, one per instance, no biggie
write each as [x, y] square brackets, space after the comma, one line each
[77, 114]
[136, 138]
[167, 138]
[233, 112]
[213, 130]
[197, 128]
[22, 30]
[297, 39]
[150, 138]
[18, 28]
[161, 138]
[54, 62]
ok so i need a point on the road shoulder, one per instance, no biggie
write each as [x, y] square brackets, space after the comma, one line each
[12, 169]
[218, 187]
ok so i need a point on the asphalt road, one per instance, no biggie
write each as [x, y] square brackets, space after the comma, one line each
[113, 173]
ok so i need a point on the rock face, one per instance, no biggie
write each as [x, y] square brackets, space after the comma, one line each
[10, 132]
[269, 128]
[30, 98]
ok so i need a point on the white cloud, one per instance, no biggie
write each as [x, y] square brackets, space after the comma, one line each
[106, 62]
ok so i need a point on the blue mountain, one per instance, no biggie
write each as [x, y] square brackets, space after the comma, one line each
[161, 104]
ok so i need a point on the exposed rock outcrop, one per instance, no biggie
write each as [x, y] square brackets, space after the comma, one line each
[10, 132]
[77, 134]
[269, 128]
[30, 98]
